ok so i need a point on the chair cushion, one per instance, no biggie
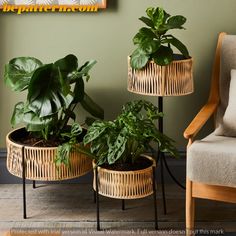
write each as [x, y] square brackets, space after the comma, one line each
[212, 160]
[227, 126]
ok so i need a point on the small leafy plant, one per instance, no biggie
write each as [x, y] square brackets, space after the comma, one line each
[128, 136]
[53, 92]
[153, 42]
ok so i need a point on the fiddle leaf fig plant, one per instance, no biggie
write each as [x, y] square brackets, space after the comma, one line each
[53, 90]
[153, 42]
[128, 136]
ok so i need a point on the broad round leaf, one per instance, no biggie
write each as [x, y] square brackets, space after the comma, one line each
[18, 72]
[46, 95]
[150, 46]
[163, 56]
[67, 64]
[176, 22]
[179, 45]
[138, 59]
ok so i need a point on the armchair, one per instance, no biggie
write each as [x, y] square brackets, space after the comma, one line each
[211, 162]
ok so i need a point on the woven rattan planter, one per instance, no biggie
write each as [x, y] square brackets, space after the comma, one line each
[40, 163]
[175, 79]
[125, 184]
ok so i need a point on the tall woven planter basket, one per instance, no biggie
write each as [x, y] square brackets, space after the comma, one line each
[125, 184]
[175, 79]
[40, 164]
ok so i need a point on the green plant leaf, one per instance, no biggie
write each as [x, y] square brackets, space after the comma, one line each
[78, 93]
[93, 108]
[94, 131]
[18, 113]
[117, 148]
[45, 94]
[84, 69]
[139, 59]
[148, 33]
[158, 17]
[67, 64]
[150, 46]
[150, 12]
[176, 22]
[34, 122]
[163, 56]
[147, 21]
[18, 72]
[178, 44]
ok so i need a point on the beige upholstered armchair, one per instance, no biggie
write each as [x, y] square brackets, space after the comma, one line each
[211, 162]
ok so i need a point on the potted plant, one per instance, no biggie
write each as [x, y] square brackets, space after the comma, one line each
[49, 140]
[118, 149]
[153, 67]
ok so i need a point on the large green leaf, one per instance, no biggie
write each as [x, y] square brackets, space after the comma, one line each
[117, 148]
[94, 131]
[150, 46]
[147, 21]
[67, 64]
[176, 22]
[46, 94]
[78, 93]
[93, 108]
[158, 17]
[139, 59]
[148, 33]
[163, 56]
[178, 44]
[34, 122]
[82, 71]
[18, 72]
[18, 113]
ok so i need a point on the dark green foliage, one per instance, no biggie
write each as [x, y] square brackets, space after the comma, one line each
[153, 42]
[53, 92]
[128, 136]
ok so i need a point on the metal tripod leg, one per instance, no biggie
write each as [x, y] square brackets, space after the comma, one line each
[23, 183]
[154, 196]
[97, 199]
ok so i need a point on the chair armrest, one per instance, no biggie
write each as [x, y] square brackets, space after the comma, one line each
[200, 119]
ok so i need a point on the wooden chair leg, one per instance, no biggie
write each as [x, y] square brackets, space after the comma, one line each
[190, 209]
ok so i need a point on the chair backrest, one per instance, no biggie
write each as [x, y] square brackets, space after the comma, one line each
[225, 61]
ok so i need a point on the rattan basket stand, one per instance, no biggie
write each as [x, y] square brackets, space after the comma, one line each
[38, 164]
[175, 79]
[125, 185]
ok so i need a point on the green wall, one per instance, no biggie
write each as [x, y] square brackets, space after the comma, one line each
[107, 37]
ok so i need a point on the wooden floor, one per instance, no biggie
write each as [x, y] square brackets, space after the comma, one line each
[71, 207]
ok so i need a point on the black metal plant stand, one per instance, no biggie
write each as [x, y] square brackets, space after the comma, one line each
[162, 159]
[96, 199]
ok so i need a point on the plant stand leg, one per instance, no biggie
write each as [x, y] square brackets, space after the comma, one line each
[34, 184]
[94, 196]
[23, 182]
[163, 182]
[97, 199]
[154, 196]
[123, 204]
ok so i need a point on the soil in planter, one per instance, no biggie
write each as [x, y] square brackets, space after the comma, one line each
[140, 163]
[21, 136]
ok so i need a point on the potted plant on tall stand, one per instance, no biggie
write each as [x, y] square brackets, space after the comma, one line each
[155, 70]
[46, 149]
[121, 170]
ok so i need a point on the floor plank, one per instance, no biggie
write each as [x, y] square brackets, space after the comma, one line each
[72, 206]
